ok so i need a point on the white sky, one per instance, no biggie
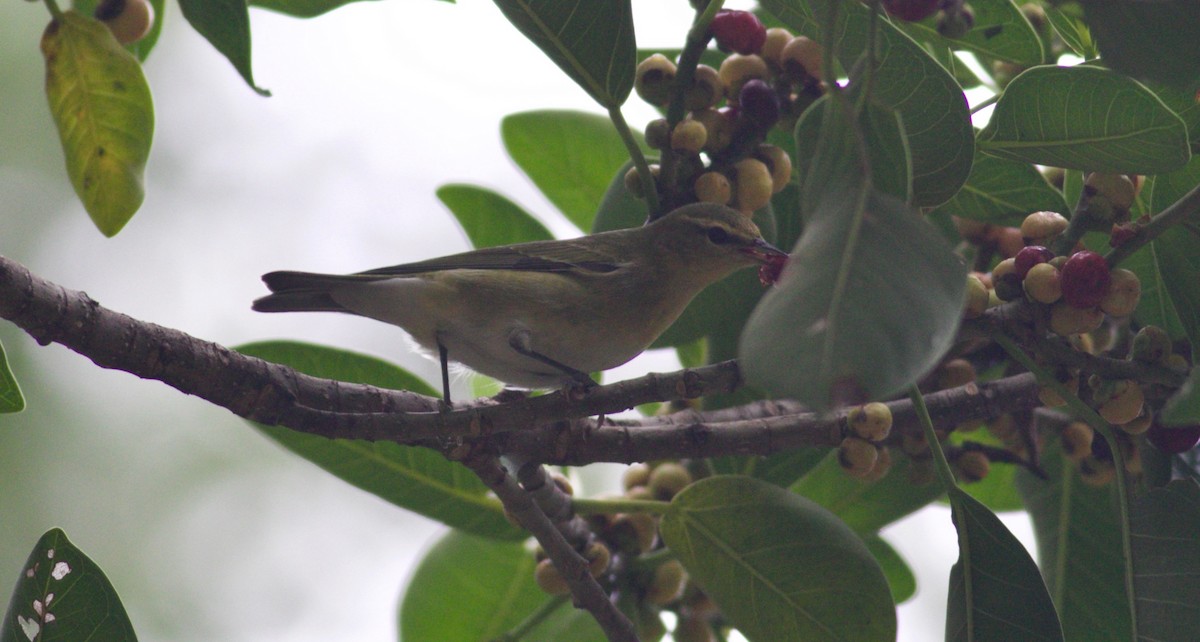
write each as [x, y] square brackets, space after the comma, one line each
[208, 530]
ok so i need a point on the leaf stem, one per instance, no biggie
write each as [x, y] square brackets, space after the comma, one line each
[584, 506]
[1186, 207]
[539, 615]
[941, 465]
[992, 100]
[55, 11]
[693, 48]
[650, 187]
[1085, 412]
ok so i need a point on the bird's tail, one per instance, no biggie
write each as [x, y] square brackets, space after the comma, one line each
[301, 292]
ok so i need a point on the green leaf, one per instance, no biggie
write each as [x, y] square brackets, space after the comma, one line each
[490, 219]
[838, 326]
[1001, 32]
[996, 592]
[1155, 40]
[1079, 548]
[900, 578]
[61, 594]
[496, 579]
[418, 479]
[931, 104]
[225, 24]
[1073, 31]
[1003, 192]
[105, 117]
[1085, 118]
[865, 506]
[302, 8]
[1177, 252]
[11, 399]
[1183, 409]
[591, 41]
[797, 574]
[571, 156]
[1166, 560]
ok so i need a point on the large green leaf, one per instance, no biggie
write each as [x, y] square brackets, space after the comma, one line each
[495, 579]
[105, 117]
[900, 578]
[302, 8]
[1177, 251]
[1156, 40]
[571, 156]
[838, 326]
[225, 24]
[1001, 32]
[996, 592]
[1074, 32]
[1165, 523]
[1079, 548]
[61, 594]
[780, 567]
[490, 219]
[1003, 192]
[590, 40]
[11, 399]
[931, 104]
[1087, 118]
[418, 479]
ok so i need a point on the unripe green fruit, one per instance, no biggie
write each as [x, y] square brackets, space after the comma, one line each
[653, 79]
[706, 90]
[667, 585]
[972, 466]
[649, 626]
[1139, 424]
[128, 20]
[1040, 228]
[955, 373]
[598, 558]
[720, 130]
[1008, 286]
[778, 162]
[635, 475]
[1051, 399]
[1151, 344]
[1124, 403]
[872, 421]
[1008, 240]
[658, 134]
[1124, 292]
[976, 298]
[1042, 283]
[777, 39]
[737, 69]
[1096, 473]
[1066, 320]
[689, 137]
[667, 479]
[549, 579]
[1117, 188]
[633, 180]
[1076, 440]
[713, 187]
[693, 629]
[801, 59]
[857, 456]
[883, 465]
[752, 185]
[1007, 266]
[632, 533]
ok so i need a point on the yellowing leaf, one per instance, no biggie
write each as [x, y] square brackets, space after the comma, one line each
[101, 104]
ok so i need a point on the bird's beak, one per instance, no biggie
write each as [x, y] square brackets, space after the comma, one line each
[771, 258]
[764, 252]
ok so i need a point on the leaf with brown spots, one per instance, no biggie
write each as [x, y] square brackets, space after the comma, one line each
[101, 104]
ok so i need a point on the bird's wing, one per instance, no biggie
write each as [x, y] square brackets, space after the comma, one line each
[538, 256]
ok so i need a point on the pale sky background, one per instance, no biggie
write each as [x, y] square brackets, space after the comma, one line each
[208, 530]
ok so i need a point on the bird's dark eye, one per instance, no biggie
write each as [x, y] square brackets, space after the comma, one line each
[718, 235]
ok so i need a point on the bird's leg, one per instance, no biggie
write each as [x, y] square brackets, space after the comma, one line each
[521, 341]
[444, 356]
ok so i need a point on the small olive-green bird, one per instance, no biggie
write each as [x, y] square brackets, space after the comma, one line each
[543, 314]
